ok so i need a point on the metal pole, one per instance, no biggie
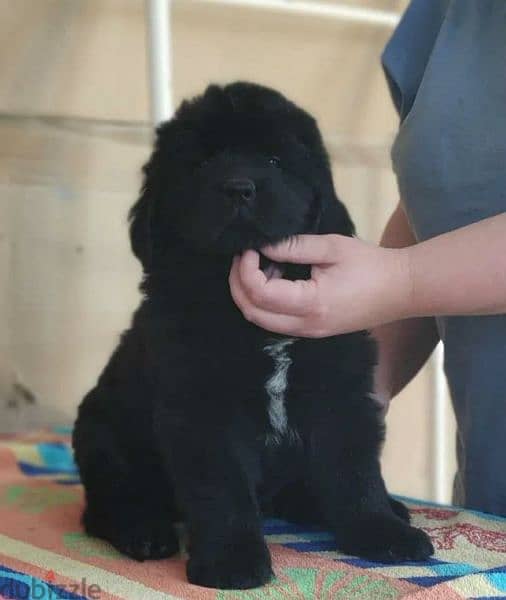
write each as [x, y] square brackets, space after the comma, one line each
[439, 427]
[159, 59]
[327, 10]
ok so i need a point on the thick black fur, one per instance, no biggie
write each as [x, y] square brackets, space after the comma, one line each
[178, 424]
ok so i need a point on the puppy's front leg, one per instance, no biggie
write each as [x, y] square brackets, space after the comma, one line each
[215, 477]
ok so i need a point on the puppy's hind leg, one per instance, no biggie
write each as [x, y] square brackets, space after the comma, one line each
[400, 509]
[129, 502]
[296, 503]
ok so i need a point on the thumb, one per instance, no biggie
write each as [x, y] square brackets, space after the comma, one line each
[305, 249]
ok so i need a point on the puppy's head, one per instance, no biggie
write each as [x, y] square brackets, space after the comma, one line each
[238, 167]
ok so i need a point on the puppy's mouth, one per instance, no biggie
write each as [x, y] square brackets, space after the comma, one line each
[271, 269]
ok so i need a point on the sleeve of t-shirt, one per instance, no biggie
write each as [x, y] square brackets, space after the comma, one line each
[409, 49]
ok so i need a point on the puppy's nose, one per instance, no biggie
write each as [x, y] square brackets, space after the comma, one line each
[240, 190]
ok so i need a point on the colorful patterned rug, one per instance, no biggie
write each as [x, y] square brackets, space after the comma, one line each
[45, 555]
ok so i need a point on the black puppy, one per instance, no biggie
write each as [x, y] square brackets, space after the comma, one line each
[200, 415]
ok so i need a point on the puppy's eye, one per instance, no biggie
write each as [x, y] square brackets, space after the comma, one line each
[274, 161]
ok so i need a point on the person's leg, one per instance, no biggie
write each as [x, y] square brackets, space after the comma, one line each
[480, 482]
[478, 385]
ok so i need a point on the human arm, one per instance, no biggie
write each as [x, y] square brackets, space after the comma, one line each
[355, 285]
[403, 346]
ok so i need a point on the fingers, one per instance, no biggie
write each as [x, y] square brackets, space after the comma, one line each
[275, 322]
[250, 286]
[305, 249]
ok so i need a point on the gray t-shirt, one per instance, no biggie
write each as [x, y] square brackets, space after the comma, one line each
[446, 68]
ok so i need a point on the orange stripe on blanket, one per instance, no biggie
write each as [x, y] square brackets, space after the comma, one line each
[9, 468]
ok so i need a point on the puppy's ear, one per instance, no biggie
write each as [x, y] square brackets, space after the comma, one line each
[142, 215]
[140, 228]
[332, 216]
[146, 215]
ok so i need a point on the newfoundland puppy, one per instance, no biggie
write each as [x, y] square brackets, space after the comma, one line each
[201, 416]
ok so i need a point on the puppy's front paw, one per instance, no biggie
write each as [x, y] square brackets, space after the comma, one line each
[240, 563]
[385, 539]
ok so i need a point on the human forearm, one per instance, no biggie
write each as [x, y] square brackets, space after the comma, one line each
[403, 346]
[462, 272]
[403, 349]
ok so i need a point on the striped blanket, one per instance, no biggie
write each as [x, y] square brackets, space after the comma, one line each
[44, 553]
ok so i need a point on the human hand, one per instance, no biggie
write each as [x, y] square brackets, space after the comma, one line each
[354, 285]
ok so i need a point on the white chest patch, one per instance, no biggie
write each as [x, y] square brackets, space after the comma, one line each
[275, 386]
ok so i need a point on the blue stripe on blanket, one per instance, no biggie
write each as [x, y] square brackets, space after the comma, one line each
[19, 586]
